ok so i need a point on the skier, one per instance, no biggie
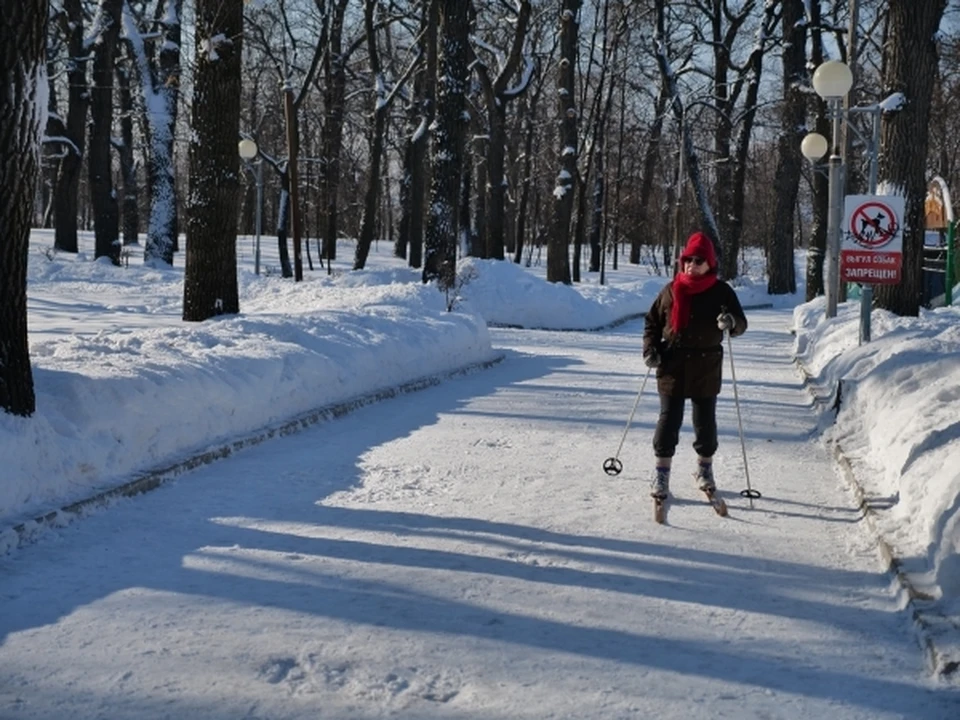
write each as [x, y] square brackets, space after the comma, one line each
[683, 340]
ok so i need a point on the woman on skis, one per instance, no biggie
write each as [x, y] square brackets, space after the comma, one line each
[683, 340]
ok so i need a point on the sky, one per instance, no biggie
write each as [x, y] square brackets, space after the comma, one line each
[371, 507]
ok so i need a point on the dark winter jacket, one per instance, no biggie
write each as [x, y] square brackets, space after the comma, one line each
[691, 362]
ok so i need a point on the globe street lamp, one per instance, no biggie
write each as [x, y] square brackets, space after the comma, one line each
[248, 151]
[832, 80]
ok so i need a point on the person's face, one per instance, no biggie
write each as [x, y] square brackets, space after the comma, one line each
[695, 265]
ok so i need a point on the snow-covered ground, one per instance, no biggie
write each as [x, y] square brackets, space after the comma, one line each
[510, 487]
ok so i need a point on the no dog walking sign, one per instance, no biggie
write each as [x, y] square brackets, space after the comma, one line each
[871, 245]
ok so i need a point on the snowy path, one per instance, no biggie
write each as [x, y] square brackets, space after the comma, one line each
[459, 553]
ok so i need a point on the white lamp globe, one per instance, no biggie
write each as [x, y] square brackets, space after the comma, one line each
[248, 149]
[832, 79]
[814, 146]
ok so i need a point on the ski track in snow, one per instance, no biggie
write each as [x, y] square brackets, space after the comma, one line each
[459, 553]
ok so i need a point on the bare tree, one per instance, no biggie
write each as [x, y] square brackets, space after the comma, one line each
[611, 48]
[747, 82]
[67, 190]
[530, 107]
[558, 256]
[383, 100]
[210, 276]
[910, 59]
[23, 111]
[498, 93]
[781, 277]
[817, 250]
[159, 75]
[106, 216]
[334, 74]
[453, 73]
[124, 145]
[414, 179]
[690, 158]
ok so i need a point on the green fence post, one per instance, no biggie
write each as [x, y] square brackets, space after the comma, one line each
[948, 284]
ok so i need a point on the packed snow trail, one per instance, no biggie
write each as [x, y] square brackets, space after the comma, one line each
[460, 553]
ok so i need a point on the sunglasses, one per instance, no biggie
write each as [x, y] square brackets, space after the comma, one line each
[695, 260]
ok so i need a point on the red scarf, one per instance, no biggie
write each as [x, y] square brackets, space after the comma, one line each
[685, 286]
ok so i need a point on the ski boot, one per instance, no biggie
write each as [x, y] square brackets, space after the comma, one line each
[704, 478]
[660, 485]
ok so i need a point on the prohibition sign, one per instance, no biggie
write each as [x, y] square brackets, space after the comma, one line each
[873, 224]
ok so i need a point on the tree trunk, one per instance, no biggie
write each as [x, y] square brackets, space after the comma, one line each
[52, 149]
[106, 217]
[599, 195]
[497, 97]
[414, 180]
[781, 276]
[910, 62]
[496, 185]
[210, 277]
[453, 74]
[378, 128]
[474, 233]
[161, 82]
[817, 251]
[558, 256]
[23, 35]
[650, 155]
[525, 179]
[67, 191]
[283, 227]
[129, 206]
[331, 133]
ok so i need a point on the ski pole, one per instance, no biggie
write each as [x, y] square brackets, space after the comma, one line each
[749, 492]
[612, 465]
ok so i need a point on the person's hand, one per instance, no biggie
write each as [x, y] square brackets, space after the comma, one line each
[651, 358]
[725, 321]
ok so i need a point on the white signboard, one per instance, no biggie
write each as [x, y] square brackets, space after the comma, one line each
[871, 239]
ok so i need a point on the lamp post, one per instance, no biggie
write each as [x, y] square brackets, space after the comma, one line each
[248, 151]
[832, 81]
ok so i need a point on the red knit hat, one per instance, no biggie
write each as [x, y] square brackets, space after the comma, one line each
[699, 245]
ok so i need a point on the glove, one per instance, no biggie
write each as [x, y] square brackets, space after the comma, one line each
[651, 358]
[725, 321]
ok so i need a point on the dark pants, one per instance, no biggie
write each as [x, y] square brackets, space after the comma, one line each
[667, 434]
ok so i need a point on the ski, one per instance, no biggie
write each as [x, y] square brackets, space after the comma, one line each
[716, 502]
[660, 510]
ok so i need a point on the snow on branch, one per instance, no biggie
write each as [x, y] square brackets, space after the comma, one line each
[210, 46]
[521, 87]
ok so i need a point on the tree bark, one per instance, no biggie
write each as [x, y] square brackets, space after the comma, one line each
[496, 98]
[415, 181]
[68, 174]
[210, 277]
[558, 255]
[376, 141]
[816, 253]
[129, 206]
[440, 257]
[23, 34]
[910, 61]
[106, 216]
[781, 275]
[160, 81]
[331, 132]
